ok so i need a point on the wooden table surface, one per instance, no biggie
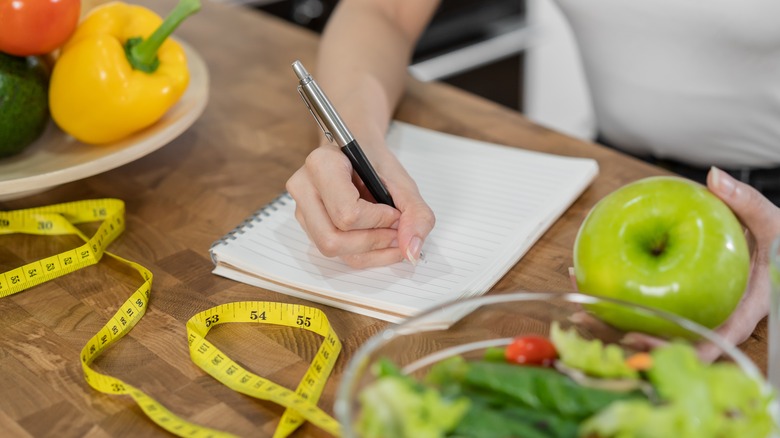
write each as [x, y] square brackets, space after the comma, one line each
[253, 134]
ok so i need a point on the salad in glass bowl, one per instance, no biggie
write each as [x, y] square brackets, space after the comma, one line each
[530, 365]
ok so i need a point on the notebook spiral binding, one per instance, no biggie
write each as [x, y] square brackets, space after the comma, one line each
[249, 222]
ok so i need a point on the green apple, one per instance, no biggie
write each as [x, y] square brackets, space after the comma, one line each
[666, 243]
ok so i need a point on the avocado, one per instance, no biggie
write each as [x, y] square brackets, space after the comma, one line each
[24, 102]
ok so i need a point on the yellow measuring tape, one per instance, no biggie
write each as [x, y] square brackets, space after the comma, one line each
[62, 219]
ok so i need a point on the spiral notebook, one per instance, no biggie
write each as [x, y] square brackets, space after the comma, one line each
[491, 202]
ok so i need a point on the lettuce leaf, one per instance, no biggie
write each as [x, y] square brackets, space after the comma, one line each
[590, 356]
[397, 406]
[697, 401]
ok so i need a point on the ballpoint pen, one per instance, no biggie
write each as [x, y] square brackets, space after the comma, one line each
[335, 130]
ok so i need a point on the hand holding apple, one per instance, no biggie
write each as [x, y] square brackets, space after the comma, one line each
[666, 243]
[762, 219]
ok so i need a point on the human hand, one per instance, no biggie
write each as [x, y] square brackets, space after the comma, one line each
[762, 220]
[339, 215]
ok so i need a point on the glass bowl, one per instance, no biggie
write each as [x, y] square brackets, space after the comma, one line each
[469, 327]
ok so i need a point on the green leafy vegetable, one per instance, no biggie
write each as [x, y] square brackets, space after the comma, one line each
[525, 386]
[484, 422]
[495, 354]
[590, 356]
[397, 406]
[698, 401]
[491, 398]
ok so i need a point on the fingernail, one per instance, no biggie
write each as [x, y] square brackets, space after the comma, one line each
[413, 250]
[723, 182]
[395, 225]
[571, 271]
[394, 243]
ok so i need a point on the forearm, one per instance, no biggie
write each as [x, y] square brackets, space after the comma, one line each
[363, 59]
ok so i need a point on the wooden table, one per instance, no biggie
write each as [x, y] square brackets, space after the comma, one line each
[253, 134]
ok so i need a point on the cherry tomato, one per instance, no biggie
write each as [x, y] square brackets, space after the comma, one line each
[531, 350]
[36, 27]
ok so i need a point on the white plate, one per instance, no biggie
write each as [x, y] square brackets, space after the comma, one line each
[57, 158]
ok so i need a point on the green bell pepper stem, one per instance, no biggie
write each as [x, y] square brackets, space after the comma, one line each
[142, 53]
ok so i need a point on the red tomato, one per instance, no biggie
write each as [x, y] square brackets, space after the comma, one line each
[531, 350]
[36, 27]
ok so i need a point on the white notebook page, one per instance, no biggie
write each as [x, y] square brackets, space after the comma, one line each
[491, 204]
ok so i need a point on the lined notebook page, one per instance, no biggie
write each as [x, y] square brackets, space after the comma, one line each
[491, 204]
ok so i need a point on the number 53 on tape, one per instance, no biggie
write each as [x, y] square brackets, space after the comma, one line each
[62, 219]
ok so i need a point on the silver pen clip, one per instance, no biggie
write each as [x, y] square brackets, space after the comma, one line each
[327, 133]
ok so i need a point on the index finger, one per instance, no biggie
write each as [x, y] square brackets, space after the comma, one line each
[331, 173]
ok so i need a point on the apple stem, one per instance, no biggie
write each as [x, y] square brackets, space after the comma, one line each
[657, 248]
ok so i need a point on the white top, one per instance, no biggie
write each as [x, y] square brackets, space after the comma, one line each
[693, 80]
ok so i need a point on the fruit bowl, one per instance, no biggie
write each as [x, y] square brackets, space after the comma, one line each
[57, 158]
[473, 328]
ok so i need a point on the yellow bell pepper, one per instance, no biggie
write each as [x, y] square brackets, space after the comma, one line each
[119, 72]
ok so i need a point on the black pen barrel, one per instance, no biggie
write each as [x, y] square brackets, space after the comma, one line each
[367, 173]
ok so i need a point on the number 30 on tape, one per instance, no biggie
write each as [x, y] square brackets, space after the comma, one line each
[62, 219]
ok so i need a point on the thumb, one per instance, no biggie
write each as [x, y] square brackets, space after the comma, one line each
[755, 211]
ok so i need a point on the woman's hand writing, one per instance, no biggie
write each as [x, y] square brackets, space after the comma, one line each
[340, 217]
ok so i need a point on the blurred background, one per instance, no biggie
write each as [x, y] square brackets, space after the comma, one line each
[518, 53]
